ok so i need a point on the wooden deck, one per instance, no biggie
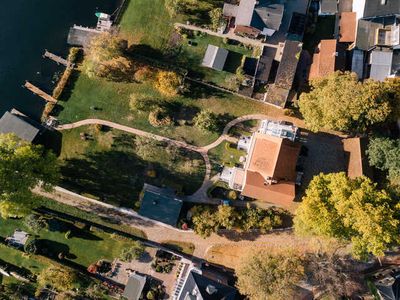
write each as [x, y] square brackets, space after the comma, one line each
[57, 59]
[39, 92]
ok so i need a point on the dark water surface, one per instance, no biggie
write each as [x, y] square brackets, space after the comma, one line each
[27, 28]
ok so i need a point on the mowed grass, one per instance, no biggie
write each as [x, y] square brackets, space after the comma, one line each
[83, 247]
[107, 167]
[147, 22]
[99, 98]
[226, 154]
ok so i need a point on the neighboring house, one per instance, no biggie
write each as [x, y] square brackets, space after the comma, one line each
[18, 124]
[387, 283]
[377, 44]
[252, 18]
[134, 287]
[327, 59]
[269, 173]
[279, 92]
[161, 205]
[373, 8]
[328, 7]
[215, 57]
[195, 286]
[357, 160]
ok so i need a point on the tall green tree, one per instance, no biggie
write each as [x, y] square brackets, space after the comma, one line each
[351, 210]
[262, 275]
[23, 166]
[384, 154]
[340, 102]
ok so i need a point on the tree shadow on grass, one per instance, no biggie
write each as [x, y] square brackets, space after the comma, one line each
[198, 91]
[52, 249]
[63, 227]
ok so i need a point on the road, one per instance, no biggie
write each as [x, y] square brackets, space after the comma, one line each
[160, 233]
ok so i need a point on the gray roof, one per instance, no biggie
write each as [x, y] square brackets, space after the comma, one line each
[396, 63]
[215, 57]
[288, 65]
[160, 205]
[11, 123]
[134, 287]
[328, 7]
[245, 12]
[198, 285]
[357, 64]
[230, 10]
[374, 8]
[271, 15]
[264, 68]
[381, 64]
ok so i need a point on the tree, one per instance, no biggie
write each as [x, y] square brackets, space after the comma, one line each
[147, 149]
[23, 166]
[61, 278]
[105, 57]
[226, 216]
[31, 246]
[340, 102]
[168, 83]
[206, 120]
[216, 18]
[352, 210]
[384, 153]
[140, 102]
[262, 275]
[35, 223]
[175, 7]
[133, 252]
[204, 221]
[334, 275]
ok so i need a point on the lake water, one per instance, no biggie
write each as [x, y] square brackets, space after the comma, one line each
[27, 28]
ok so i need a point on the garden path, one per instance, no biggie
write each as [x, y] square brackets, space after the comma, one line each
[200, 196]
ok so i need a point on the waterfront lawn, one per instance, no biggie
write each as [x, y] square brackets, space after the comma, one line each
[82, 247]
[99, 98]
[108, 167]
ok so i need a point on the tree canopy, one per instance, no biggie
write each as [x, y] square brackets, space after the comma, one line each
[340, 102]
[23, 166]
[384, 154]
[105, 57]
[262, 275]
[168, 83]
[353, 210]
[135, 251]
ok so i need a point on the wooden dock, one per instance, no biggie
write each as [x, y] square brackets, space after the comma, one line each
[57, 59]
[39, 92]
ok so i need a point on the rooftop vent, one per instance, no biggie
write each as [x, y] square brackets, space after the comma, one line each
[211, 289]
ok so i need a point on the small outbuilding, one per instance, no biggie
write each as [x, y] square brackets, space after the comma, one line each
[134, 287]
[215, 58]
[18, 239]
[13, 123]
[161, 205]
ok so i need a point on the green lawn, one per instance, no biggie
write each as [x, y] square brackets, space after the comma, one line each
[83, 247]
[185, 247]
[108, 166]
[225, 154]
[111, 100]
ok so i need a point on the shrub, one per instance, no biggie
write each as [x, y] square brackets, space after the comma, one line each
[206, 121]
[35, 223]
[134, 252]
[232, 195]
[140, 103]
[67, 235]
[31, 247]
[144, 74]
[159, 117]
[168, 83]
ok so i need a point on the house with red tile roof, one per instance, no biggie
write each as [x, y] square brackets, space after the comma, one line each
[269, 173]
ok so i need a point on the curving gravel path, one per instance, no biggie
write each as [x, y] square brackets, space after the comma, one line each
[200, 195]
